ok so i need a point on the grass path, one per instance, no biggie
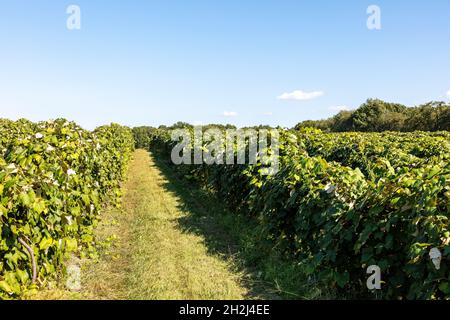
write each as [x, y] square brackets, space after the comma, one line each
[154, 257]
[170, 240]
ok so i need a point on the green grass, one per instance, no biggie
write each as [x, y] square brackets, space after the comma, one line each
[154, 258]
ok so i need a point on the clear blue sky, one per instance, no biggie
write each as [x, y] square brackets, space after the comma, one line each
[159, 61]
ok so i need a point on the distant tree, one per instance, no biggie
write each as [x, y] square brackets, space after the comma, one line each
[427, 117]
[324, 125]
[374, 114]
[392, 121]
[181, 125]
[444, 119]
[143, 136]
[342, 121]
[218, 126]
[260, 127]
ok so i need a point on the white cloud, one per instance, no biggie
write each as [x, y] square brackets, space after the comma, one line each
[339, 108]
[300, 95]
[268, 113]
[448, 94]
[229, 114]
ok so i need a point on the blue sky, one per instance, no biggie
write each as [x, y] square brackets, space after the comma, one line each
[218, 61]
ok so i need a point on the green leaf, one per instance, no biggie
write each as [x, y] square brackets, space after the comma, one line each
[445, 287]
[342, 278]
[22, 276]
[71, 244]
[45, 243]
[4, 286]
[39, 206]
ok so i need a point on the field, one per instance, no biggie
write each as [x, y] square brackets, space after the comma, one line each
[145, 228]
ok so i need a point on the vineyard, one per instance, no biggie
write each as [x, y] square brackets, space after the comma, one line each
[343, 202]
[339, 203]
[54, 179]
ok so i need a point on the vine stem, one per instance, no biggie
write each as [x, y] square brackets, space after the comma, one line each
[33, 259]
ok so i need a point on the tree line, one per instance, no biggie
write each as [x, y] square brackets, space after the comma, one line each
[376, 116]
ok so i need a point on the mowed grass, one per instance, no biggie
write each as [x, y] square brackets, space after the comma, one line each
[152, 257]
[168, 263]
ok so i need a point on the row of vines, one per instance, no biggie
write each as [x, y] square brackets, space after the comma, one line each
[343, 202]
[55, 177]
